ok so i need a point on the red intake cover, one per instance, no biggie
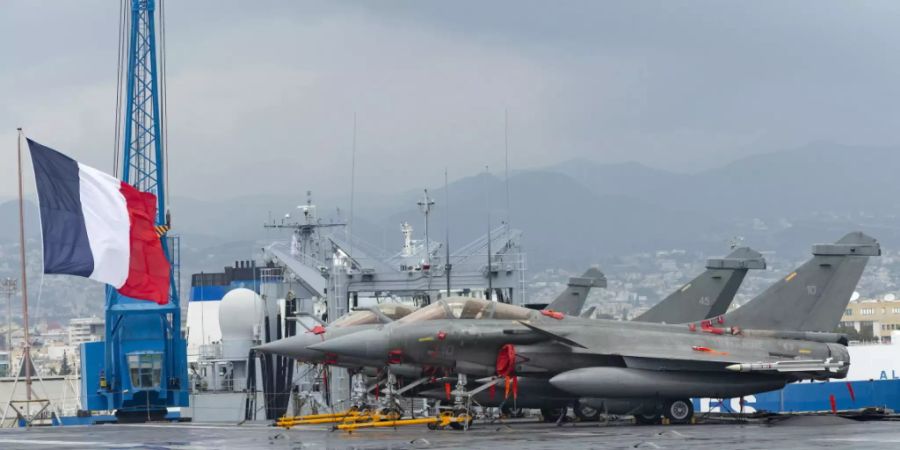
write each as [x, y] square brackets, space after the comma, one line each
[506, 360]
[395, 356]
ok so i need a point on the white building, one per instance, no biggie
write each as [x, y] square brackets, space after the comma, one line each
[85, 329]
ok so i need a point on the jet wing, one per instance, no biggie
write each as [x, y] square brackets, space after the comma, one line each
[552, 336]
[658, 347]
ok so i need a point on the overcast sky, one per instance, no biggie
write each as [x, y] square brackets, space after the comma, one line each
[262, 93]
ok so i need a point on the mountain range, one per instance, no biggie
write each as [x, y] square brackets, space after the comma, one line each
[580, 212]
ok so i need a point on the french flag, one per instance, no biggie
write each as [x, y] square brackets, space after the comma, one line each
[98, 227]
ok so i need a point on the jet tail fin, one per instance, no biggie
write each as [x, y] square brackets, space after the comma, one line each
[572, 299]
[815, 296]
[588, 312]
[709, 294]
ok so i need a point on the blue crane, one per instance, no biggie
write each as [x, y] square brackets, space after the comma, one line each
[140, 368]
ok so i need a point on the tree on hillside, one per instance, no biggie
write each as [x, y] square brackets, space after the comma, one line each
[851, 332]
[64, 368]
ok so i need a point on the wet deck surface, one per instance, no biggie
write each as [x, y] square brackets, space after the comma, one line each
[804, 433]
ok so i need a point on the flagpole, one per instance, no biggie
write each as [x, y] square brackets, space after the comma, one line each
[26, 353]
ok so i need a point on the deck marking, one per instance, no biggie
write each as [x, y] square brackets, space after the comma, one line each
[33, 441]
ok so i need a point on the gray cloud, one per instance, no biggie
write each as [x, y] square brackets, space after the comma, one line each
[262, 94]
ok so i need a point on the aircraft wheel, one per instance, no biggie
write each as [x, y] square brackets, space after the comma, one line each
[647, 419]
[393, 413]
[462, 424]
[551, 414]
[586, 413]
[679, 411]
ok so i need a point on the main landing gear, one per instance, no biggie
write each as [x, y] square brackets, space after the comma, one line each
[677, 412]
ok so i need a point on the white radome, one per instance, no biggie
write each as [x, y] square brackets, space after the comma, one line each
[240, 313]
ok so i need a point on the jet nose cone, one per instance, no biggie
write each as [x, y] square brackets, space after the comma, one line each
[367, 344]
[293, 347]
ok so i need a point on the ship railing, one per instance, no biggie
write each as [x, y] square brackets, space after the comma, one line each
[227, 384]
[209, 351]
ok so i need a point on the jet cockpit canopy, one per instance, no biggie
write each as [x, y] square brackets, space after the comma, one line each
[468, 308]
[373, 315]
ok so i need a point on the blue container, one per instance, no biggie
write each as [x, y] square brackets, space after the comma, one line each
[813, 397]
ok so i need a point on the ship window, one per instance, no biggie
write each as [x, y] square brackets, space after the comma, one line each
[145, 370]
[848, 312]
[355, 318]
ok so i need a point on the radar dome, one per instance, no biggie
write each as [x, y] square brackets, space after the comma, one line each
[241, 312]
[890, 297]
[854, 297]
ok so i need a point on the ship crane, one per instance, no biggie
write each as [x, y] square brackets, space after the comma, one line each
[140, 369]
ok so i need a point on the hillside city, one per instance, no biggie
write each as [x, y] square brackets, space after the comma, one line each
[67, 311]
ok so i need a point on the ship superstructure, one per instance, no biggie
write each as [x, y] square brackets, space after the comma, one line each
[317, 274]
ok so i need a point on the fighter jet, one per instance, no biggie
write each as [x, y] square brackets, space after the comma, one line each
[645, 369]
[708, 295]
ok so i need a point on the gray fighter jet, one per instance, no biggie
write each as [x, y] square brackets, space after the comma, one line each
[644, 369]
[708, 295]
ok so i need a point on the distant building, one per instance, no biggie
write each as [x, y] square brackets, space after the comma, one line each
[85, 329]
[4, 364]
[880, 316]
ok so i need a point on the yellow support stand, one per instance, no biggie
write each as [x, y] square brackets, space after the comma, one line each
[441, 421]
[317, 419]
[354, 420]
[350, 416]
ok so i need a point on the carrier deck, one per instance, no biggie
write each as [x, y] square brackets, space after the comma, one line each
[799, 432]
